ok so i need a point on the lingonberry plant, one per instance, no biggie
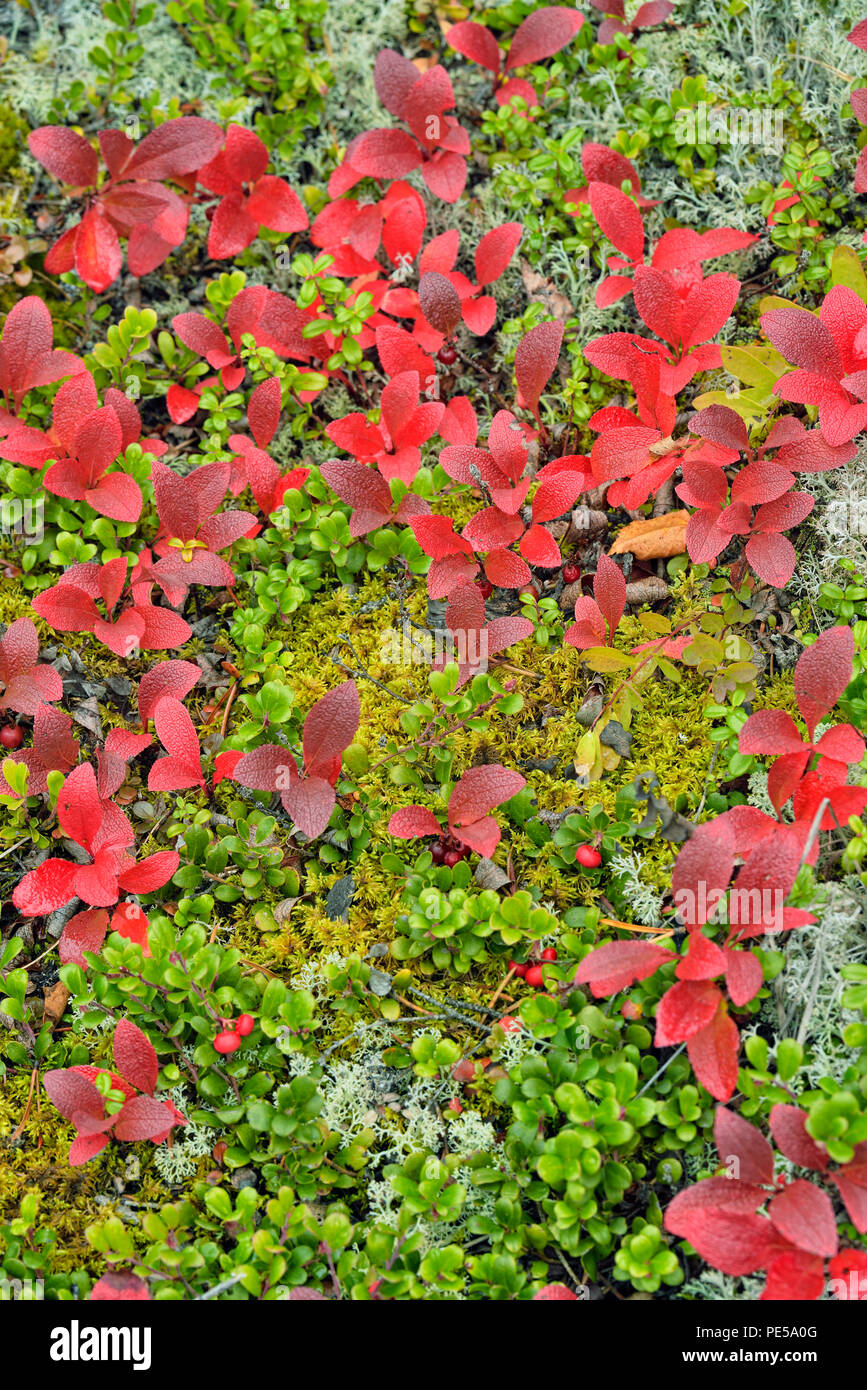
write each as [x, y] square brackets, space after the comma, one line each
[336, 840]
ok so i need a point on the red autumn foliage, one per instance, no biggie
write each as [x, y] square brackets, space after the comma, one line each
[140, 1116]
[132, 202]
[25, 683]
[404, 425]
[475, 639]
[761, 504]
[597, 618]
[542, 34]
[273, 321]
[477, 793]
[71, 606]
[821, 675]
[253, 466]
[308, 795]
[369, 495]
[615, 23]
[192, 531]
[435, 142]
[719, 1216]
[27, 357]
[677, 255]
[105, 834]
[249, 198]
[830, 357]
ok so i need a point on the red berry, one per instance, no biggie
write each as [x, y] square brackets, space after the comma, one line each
[11, 736]
[534, 976]
[571, 574]
[227, 1042]
[510, 1024]
[455, 1106]
[438, 851]
[518, 968]
[452, 857]
[631, 1011]
[528, 594]
[484, 588]
[447, 355]
[549, 953]
[588, 857]
[245, 1025]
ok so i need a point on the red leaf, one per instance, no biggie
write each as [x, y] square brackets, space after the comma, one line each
[98, 256]
[713, 1052]
[170, 678]
[65, 154]
[118, 1286]
[618, 218]
[445, 175]
[848, 1270]
[46, 888]
[712, 1194]
[733, 1242]
[613, 967]
[177, 147]
[804, 1215]
[744, 976]
[394, 78]
[84, 932]
[506, 570]
[851, 1182]
[480, 790]
[609, 590]
[536, 356]
[702, 871]
[822, 674]
[144, 1118]
[263, 411]
[495, 251]
[175, 730]
[539, 547]
[310, 801]
[440, 302]
[482, 836]
[267, 768]
[385, 154]
[413, 821]
[330, 726]
[475, 42]
[794, 1276]
[73, 1094]
[274, 204]
[736, 1138]
[135, 1057]
[685, 1009]
[789, 1128]
[542, 34]
[770, 731]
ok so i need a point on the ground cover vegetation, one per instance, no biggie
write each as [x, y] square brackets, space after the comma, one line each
[433, 650]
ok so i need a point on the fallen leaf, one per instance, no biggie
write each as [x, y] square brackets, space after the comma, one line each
[543, 291]
[654, 537]
[56, 999]
[650, 589]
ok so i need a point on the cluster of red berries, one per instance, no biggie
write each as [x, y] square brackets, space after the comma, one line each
[230, 1039]
[531, 971]
[11, 736]
[449, 851]
[588, 857]
[571, 573]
